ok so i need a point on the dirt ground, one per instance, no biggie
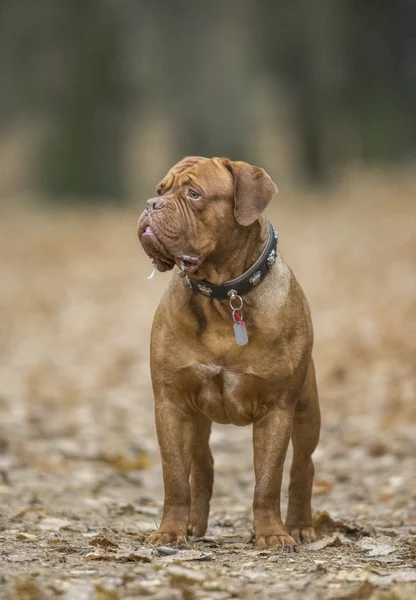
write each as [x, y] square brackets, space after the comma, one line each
[80, 477]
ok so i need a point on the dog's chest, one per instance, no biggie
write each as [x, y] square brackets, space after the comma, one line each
[227, 396]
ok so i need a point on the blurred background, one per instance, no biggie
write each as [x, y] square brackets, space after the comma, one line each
[98, 99]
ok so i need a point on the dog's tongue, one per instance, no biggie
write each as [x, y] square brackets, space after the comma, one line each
[188, 264]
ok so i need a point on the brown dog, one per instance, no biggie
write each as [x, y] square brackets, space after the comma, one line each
[208, 220]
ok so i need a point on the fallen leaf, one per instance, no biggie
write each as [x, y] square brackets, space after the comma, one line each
[325, 524]
[328, 542]
[21, 558]
[80, 590]
[180, 575]
[121, 556]
[335, 542]
[322, 487]
[322, 522]
[255, 575]
[98, 556]
[205, 556]
[214, 585]
[191, 556]
[105, 539]
[400, 591]
[398, 576]
[26, 536]
[351, 575]
[53, 523]
[224, 522]
[132, 462]
[361, 592]
[380, 546]
[27, 589]
[25, 511]
[102, 593]
[148, 584]
[134, 556]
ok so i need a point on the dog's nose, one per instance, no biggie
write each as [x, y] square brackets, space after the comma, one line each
[155, 203]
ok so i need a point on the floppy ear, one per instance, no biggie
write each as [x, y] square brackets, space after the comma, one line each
[253, 190]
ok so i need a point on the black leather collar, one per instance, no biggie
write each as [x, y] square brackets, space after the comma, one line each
[243, 284]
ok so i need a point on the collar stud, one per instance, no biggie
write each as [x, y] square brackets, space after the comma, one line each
[255, 279]
[204, 289]
[271, 259]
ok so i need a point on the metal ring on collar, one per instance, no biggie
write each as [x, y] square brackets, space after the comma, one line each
[236, 297]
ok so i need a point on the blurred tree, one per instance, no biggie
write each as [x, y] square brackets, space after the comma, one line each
[86, 150]
[88, 69]
[350, 68]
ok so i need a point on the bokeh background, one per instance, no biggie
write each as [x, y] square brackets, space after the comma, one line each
[98, 99]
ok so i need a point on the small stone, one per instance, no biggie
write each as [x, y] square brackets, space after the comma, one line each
[164, 551]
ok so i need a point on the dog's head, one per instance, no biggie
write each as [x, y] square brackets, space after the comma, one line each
[200, 205]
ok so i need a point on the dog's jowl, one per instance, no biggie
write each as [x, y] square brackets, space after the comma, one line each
[231, 343]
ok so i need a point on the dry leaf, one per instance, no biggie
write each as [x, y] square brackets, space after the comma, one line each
[361, 592]
[335, 542]
[325, 524]
[134, 556]
[102, 593]
[26, 536]
[328, 542]
[27, 589]
[380, 546]
[98, 555]
[53, 523]
[105, 539]
[132, 462]
[322, 487]
[181, 575]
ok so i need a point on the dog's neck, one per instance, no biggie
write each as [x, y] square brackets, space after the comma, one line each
[234, 257]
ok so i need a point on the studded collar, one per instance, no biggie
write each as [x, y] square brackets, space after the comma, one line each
[243, 284]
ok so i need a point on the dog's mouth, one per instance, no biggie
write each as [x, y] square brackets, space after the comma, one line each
[160, 255]
[188, 263]
[154, 248]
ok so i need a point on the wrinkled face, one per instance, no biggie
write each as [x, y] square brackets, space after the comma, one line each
[199, 204]
[181, 225]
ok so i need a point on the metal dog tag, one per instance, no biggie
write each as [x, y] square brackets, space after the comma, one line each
[240, 333]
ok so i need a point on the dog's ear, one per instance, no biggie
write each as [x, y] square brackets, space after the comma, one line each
[253, 190]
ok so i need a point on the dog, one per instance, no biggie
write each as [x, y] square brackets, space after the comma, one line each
[231, 342]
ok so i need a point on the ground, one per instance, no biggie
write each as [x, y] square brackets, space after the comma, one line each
[80, 476]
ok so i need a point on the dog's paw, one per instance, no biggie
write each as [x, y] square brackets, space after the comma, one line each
[303, 534]
[167, 538]
[198, 530]
[278, 541]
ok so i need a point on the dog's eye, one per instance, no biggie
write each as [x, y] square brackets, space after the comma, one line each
[193, 194]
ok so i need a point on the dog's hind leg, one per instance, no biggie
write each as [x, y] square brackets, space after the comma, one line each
[305, 436]
[202, 476]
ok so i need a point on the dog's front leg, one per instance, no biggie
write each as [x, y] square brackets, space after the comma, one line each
[175, 432]
[271, 435]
